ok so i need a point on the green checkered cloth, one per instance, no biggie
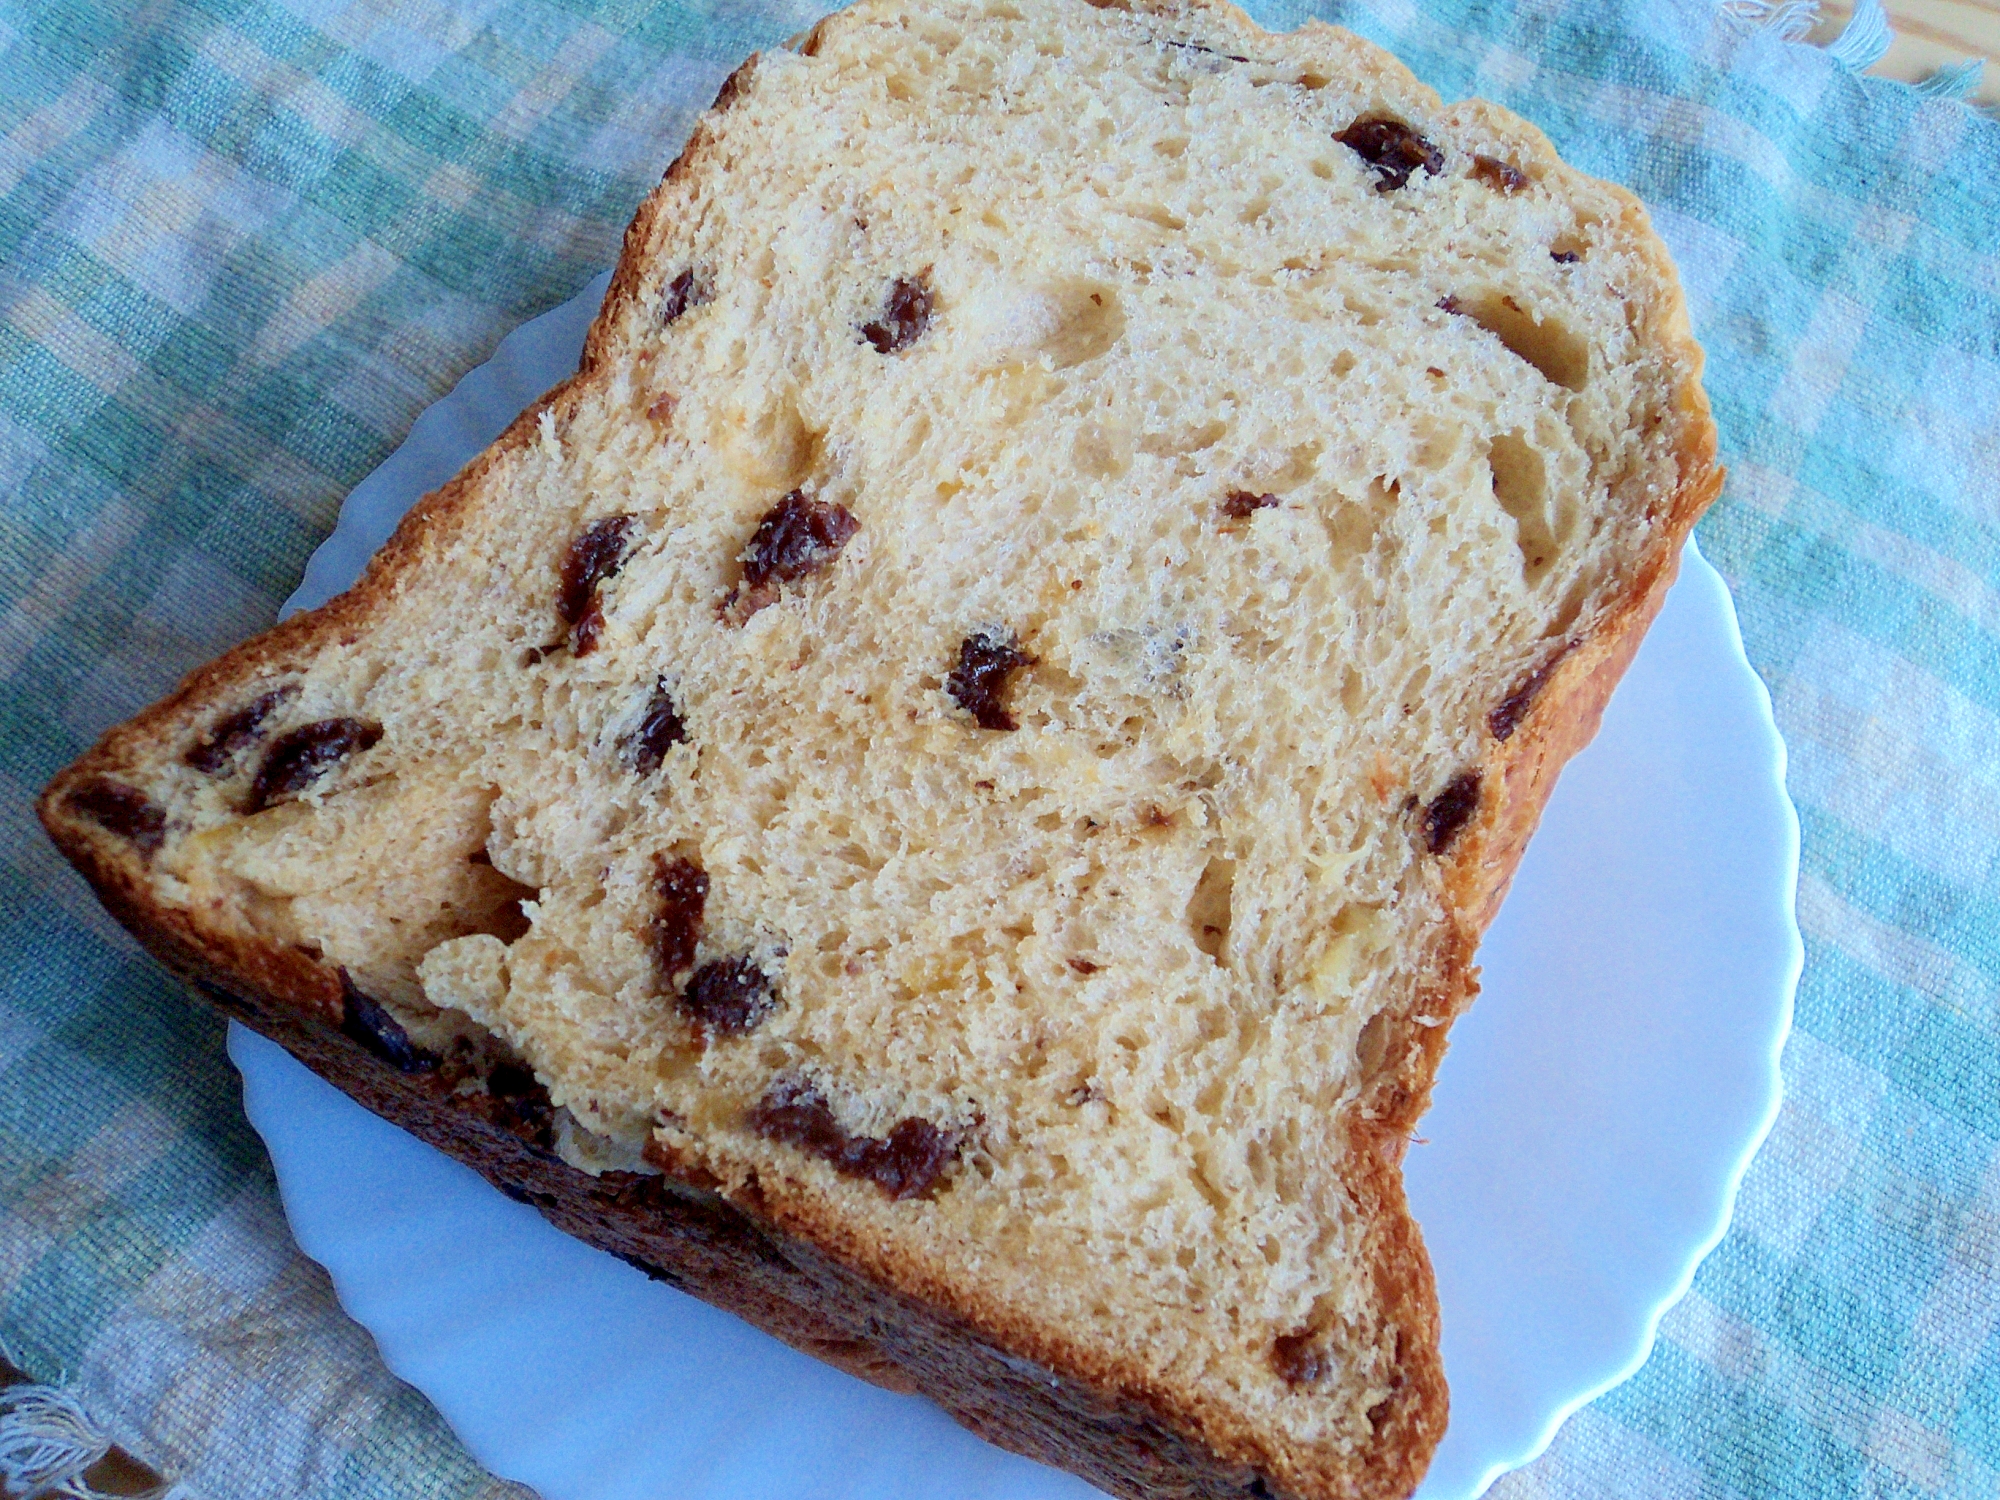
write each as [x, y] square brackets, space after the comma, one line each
[244, 242]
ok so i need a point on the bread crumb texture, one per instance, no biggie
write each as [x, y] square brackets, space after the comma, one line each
[958, 724]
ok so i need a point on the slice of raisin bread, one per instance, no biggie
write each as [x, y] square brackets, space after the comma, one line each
[943, 790]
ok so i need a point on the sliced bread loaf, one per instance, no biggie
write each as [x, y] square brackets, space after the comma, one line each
[943, 790]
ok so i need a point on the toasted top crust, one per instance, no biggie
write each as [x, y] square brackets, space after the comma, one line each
[985, 722]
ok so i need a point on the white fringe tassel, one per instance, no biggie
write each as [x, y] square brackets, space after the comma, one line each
[1864, 39]
[1862, 42]
[1788, 20]
[48, 1443]
[1954, 81]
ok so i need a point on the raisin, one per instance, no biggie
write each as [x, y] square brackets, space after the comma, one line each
[985, 662]
[123, 810]
[1392, 149]
[729, 996]
[662, 728]
[232, 732]
[1564, 257]
[1501, 176]
[797, 537]
[1448, 811]
[596, 554]
[510, 1080]
[683, 887]
[685, 291]
[1239, 505]
[1450, 305]
[296, 760]
[906, 313]
[907, 1163]
[1301, 1357]
[1084, 966]
[796, 1113]
[363, 1019]
[1508, 713]
[520, 1105]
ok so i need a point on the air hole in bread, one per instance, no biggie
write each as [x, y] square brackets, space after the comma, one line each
[1066, 322]
[1154, 213]
[1353, 524]
[771, 447]
[1301, 464]
[506, 918]
[1208, 908]
[1562, 357]
[1413, 689]
[1364, 313]
[1197, 438]
[975, 76]
[1104, 448]
[1521, 486]
[1372, 1046]
[1214, 1198]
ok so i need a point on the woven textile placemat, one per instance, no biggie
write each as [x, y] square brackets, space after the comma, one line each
[243, 243]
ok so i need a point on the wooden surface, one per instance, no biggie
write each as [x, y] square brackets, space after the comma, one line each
[1930, 34]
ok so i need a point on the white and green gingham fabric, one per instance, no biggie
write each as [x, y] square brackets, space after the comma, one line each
[244, 242]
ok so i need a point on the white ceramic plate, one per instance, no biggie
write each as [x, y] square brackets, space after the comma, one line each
[1592, 1120]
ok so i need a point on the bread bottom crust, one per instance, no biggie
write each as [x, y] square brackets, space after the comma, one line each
[699, 1243]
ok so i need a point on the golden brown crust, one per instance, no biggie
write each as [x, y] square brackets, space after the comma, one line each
[779, 1260]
